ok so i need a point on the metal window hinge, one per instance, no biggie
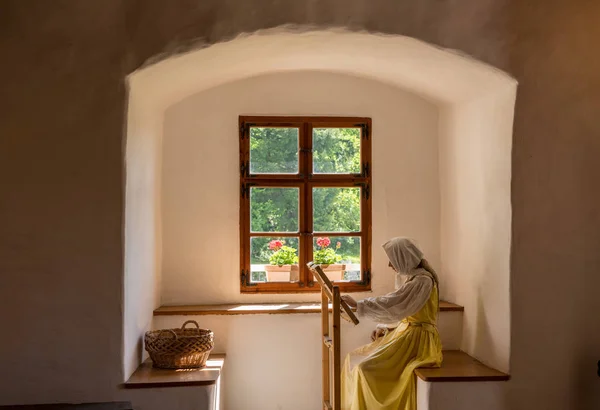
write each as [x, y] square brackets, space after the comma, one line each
[364, 130]
[245, 189]
[245, 130]
[244, 169]
[245, 279]
[366, 279]
[366, 169]
[366, 189]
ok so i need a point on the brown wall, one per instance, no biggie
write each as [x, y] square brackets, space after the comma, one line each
[62, 113]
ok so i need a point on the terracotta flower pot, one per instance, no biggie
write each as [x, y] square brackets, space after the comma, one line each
[334, 271]
[283, 273]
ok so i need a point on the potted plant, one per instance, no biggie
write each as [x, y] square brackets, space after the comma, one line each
[328, 259]
[283, 263]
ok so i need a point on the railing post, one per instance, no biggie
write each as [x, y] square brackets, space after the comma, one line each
[324, 347]
[337, 368]
[331, 348]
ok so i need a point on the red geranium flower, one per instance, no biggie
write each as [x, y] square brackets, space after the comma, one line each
[323, 242]
[275, 245]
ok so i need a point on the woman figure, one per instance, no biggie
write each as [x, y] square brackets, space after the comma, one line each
[380, 375]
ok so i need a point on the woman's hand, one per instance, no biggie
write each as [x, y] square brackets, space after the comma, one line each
[377, 333]
[381, 331]
[349, 301]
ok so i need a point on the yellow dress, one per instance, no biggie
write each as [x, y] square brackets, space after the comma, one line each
[380, 375]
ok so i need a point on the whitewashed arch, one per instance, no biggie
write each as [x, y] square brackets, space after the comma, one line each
[476, 105]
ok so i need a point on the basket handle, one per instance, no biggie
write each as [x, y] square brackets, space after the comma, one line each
[191, 321]
[168, 331]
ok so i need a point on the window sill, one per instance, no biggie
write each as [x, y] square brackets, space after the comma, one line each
[458, 366]
[261, 309]
[147, 376]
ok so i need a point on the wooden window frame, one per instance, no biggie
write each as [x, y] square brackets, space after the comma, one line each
[305, 180]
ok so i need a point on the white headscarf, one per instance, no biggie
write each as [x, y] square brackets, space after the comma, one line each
[405, 257]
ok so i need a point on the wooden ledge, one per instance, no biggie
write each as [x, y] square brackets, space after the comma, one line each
[147, 376]
[460, 367]
[264, 308]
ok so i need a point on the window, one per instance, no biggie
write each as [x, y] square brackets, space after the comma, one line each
[305, 194]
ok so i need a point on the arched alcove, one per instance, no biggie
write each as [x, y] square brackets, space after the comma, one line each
[475, 105]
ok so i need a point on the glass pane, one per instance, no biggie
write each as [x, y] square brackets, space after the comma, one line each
[336, 209]
[336, 150]
[273, 150]
[274, 209]
[274, 259]
[339, 256]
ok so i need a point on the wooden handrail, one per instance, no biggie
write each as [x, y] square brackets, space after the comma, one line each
[328, 286]
[332, 393]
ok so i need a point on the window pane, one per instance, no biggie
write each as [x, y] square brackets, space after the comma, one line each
[274, 259]
[339, 256]
[273, 150]
[336, 209]
[336, 151]
[274, 209]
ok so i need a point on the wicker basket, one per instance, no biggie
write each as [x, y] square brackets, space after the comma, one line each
[179, 348]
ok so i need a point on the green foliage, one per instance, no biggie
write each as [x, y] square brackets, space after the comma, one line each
[336, 209]
[274, 209]
[275, 150]
[326, 256]
[284, 256]
[336, 150]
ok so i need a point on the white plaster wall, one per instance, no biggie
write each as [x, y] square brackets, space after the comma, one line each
[460, 395]
[475, 174]
[179, 398]
[200, 179]
[142, 233]
[274, 361]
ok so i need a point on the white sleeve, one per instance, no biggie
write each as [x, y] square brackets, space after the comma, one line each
[395, 306]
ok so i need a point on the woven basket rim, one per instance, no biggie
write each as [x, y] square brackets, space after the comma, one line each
[178, 331]
[183, 330]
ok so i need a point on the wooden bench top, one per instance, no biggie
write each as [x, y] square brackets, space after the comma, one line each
[263, 308]
[147, 376]
[460, 367]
